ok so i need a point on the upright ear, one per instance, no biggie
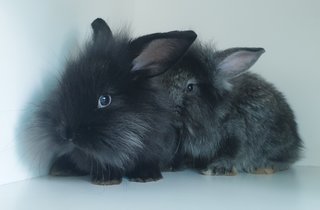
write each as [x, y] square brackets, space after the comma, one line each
[153, 54]
[101, 31]
[234, 61]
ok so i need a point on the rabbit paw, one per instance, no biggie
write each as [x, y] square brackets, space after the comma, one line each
[219, 171]
[106, 182]
[106, 178]
[145, 173]
[264, 171]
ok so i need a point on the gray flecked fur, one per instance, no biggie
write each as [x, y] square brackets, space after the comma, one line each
[231, 119]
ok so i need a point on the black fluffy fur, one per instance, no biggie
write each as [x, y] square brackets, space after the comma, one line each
[134, 136]
[230, 120]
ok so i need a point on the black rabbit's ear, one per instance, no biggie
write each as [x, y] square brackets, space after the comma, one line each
[153, 54]
[234, 61]
[101, 30]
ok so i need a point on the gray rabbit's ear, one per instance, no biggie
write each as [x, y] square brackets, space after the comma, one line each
[101, 31]
[234, 61]
[153, 54]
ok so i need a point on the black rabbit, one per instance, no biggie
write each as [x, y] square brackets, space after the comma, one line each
[229, 119]
[107, 117]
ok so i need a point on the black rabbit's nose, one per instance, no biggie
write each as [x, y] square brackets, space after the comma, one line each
[67, 134]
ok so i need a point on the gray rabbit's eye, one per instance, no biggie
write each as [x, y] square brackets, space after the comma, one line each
[190, 87]
[104, 101]
[191, 84]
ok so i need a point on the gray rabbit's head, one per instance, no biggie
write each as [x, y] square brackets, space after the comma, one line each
[204, 78]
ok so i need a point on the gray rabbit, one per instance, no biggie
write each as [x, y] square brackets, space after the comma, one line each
[230, 120]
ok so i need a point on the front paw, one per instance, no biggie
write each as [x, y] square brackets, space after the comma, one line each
[101, 181]
[106, 176]
[264, 171]
[145, 174]
[219, 171]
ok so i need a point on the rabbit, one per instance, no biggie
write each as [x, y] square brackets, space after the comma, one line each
[107, 118]
[229, 120]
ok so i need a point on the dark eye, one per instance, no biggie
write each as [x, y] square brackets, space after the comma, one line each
[190, 87]
[104, 101]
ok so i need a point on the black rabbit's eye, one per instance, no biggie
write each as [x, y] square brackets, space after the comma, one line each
[104, 101]
[190, 87]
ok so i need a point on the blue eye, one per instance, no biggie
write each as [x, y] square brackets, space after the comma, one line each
[104, 101]
[190, 87]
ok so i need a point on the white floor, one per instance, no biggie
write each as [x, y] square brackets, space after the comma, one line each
[297, 188]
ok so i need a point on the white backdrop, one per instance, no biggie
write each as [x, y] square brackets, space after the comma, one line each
[37, 36]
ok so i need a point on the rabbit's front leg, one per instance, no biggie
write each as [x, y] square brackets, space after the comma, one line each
[105, 175]
[145, 172]
[220, 167]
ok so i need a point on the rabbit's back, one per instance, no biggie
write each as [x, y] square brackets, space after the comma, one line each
[262, 120]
